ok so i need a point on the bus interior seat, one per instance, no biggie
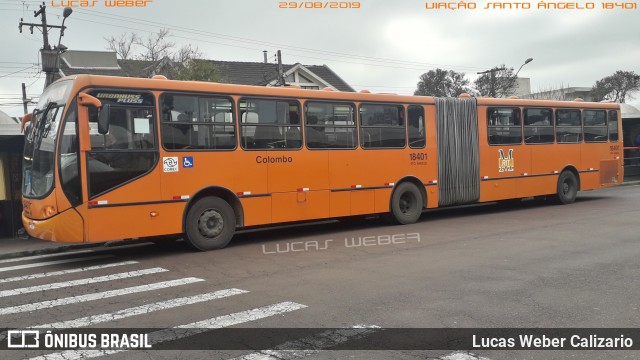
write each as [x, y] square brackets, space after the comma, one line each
[293, 138]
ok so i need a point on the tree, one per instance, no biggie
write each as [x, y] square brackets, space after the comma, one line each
[616, 87]
[497, 82]
[187, 52]
[122, 46]
[441, 83]
[156, 45]
[200, 70]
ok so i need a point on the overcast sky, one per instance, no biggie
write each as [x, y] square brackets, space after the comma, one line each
[383, 46]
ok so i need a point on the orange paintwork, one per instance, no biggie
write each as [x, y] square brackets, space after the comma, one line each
[327, 176]
[64, 227]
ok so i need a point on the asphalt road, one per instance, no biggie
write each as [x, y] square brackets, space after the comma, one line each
[529, 265]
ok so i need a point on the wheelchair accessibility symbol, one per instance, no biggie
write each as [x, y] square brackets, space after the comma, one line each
[187, 162]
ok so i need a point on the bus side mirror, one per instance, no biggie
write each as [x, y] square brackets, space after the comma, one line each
[103, 119]
[25, 121]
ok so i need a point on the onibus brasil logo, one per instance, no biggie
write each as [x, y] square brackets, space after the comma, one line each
[506, 163]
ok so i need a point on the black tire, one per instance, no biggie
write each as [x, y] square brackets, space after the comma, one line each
[567, 189]
[406, 204]
[210, 224]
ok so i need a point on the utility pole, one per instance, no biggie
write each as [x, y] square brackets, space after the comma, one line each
[280, 69]
[492, 83]
[24, 99]
[50, 56]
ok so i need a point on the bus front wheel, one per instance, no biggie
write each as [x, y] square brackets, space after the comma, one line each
[406, 204]
[210, 224]
[567, 188]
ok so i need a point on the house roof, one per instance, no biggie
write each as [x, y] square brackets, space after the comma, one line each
[260, 73]
[75, 62]
[238, 72]
[90, 62]
[8, 125]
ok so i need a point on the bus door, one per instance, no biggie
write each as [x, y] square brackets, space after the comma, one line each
[122, 178]
[458, 151]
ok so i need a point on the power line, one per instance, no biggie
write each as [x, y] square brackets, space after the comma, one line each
[15, 72]
[262, 43]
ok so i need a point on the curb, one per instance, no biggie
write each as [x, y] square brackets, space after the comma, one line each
[67, 247]
[44, 251]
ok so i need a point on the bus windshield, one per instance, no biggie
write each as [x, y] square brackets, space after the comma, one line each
[40, 141]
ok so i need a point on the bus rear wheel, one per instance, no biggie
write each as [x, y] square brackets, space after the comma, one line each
[406, 204]
[210, 224]
[567, 188]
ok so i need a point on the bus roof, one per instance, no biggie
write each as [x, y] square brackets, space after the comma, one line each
[83, 81]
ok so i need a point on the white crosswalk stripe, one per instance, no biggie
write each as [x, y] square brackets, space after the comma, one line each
[186, 330]
[142, 309]
[96, 296]
[324, 340]
[57, 281]
[93, 280]
[54, 262]
[64, 272]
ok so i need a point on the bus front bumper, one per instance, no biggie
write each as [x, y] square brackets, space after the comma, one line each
[64, 227]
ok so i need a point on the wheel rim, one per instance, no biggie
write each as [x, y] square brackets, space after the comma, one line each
[567, 187]
[407, 203]
[210, 223]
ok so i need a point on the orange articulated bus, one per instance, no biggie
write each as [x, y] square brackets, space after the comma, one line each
[110, 158]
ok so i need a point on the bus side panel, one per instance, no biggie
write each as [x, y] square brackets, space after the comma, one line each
[299, 186]
[592, 156]
[340, 202]
[295, 206]
[348, 168]
[238, 171]
[545, 163]
[363, 202]
[257, 210]
[135, 221]
[382, 200]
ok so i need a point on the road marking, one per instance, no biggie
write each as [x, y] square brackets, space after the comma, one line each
[24, 258]
[463, 356]
[64, 272]
[93, 280]
[54, 262]
[143, 309]
[66, 253]
[96, 296]
[324, 340]
[187, 330]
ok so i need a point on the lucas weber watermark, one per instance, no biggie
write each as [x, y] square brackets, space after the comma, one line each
[348, 242]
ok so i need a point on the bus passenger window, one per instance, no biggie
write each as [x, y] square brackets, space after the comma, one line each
[538, 126]
[504, 126]
[197, 122]
[568, 126]
[330, 125]
[416, 126]
[270, 124]
[382, 126]
[595, 125]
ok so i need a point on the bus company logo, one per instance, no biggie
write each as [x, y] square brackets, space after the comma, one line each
[170, 164]
[23, 339]
[506, 163]
[135, 99]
